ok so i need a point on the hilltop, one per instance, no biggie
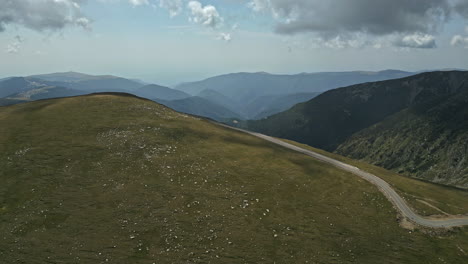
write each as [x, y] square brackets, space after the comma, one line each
[113, 178]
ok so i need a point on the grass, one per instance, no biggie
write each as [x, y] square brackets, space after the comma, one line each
[447, 199]
[107, 178]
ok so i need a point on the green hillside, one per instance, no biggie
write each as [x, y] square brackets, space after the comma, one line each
[118, 179]
[425, 198]
[416, 126]
[428, 141]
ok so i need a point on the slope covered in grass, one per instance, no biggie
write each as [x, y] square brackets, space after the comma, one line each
[115, 178]
[416, 126]
[426, 198]
[428, 141]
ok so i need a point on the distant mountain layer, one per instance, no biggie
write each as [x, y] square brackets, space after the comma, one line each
[200, 107]
[265, 106]
[258, 95]
[244, 87]
[259, 107]
[22, 89]
[240, 96]
[6, 101]
[73, 81]
[416, 125]
[154, 91]
[69, 77]
[111, 84]
[16, 85]
[45, 92]
[220, 99]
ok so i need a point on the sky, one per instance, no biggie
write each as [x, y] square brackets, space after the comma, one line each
[173, 41]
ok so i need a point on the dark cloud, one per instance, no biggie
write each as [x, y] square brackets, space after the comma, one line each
[376, 17]
[42, 15]
[462, 7]
[403, 23]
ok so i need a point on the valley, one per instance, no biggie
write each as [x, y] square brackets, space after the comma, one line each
[415, 126]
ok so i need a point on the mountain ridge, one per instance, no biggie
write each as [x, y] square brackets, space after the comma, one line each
[333, 117]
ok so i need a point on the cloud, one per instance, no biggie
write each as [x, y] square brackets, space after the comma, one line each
[345, 23]
[458, 41]
[204, 15]
[138, 2]
[376, 17]
[419, 41]
[225, 36]
[259, 5]
[338, 20]
[15, 46]
[84, 23]
[341, 42]
[461, 7]
[42, 15]
[174, 6]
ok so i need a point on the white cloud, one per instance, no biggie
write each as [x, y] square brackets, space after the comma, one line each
[139, 2]
[174, 6]
[42, 15]
[225, 36]
[420, 41]
[204, 15]
[15, 46]
[459, 40]
[12, 48]
[259, 5]
[340, 42]
[84, 23]
[377, 45]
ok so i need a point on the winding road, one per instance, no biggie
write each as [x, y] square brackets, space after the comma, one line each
[383, 186]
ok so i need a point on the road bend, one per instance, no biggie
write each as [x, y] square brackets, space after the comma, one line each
[382, 185]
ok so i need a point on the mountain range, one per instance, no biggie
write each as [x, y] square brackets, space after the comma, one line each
[245, 90]
[245, 86]
[232, 96]
[416, 126]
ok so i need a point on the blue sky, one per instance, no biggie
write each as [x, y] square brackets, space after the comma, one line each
[172, 41]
